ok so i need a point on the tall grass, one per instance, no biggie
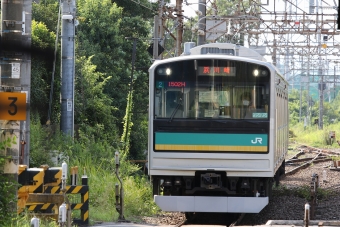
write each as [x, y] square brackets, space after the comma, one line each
[24, 220]
[313, 136]
[102, 180]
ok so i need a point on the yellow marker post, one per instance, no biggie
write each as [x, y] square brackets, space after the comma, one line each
[12, 106]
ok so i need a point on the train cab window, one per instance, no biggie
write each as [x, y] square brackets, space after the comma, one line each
[249, 103]
[211, 89]
[174, 103]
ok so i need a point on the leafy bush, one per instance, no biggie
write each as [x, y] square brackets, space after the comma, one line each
[8, 186]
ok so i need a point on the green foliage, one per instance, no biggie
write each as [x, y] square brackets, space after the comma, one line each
[102, 67]
[139, 130]
[138, 193]
[312, 136]
[8, 199]
[46, 11]
[294, 106]
[137, 190]
[93, 107]
[142, 8]
[139, 136]
[281, 190]
[101, 34]
[8, 186]
[42, 38]
[101, 89]
[310, 109]
[127, 127]
[96, 160]
[25, 220]
[302, 191]
[43, 42]
[40, 145]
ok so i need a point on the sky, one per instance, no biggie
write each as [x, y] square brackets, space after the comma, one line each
[304, 4]
[189, 11]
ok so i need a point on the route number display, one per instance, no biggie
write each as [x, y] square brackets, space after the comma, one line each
[12, 106]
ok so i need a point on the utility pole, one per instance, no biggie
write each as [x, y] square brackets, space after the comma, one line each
[202, 22]
[26, 82]
[179, 27]
[322, 85]
[156, 38]
[67, 66]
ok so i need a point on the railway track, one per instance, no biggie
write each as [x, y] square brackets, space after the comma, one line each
[228, 220]
[239, 219]
[318, 155]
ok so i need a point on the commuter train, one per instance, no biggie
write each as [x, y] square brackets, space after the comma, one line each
[218, 129]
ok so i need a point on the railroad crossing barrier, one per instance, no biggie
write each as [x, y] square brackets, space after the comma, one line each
[42, 192]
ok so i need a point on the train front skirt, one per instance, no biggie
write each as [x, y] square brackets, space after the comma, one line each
[211, 204]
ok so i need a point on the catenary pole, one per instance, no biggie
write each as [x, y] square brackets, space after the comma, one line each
[67, 66]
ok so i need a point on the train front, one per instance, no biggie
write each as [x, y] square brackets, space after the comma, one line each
[211, 139]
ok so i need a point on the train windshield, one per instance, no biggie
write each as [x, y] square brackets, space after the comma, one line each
[211, 88]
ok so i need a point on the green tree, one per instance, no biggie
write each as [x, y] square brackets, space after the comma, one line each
[42, 63]
[44, 60]
[8, 186]
[103, 67]
[142, 8]
[93, 107]
[47, 12]
[101, 34]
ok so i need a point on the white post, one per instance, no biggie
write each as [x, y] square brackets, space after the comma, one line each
[307, 213]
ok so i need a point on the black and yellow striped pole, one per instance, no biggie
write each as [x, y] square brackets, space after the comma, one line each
[85, 200]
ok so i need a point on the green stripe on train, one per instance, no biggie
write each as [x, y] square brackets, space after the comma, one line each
[212, 139]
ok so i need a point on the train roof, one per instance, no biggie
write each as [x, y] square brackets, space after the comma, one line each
[218, 50]
[223, 49]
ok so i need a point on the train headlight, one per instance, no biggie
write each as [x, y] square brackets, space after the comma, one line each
[264, 73]
[164, 71]
[160, 71]
[168, 71]
[256, 72]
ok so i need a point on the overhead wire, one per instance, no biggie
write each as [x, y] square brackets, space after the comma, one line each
[141, 4]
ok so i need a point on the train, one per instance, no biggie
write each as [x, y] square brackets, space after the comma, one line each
[218, 130]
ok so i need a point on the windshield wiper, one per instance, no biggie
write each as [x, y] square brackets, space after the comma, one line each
[175, 110]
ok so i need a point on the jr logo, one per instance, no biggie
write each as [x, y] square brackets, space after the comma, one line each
[257, 140]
